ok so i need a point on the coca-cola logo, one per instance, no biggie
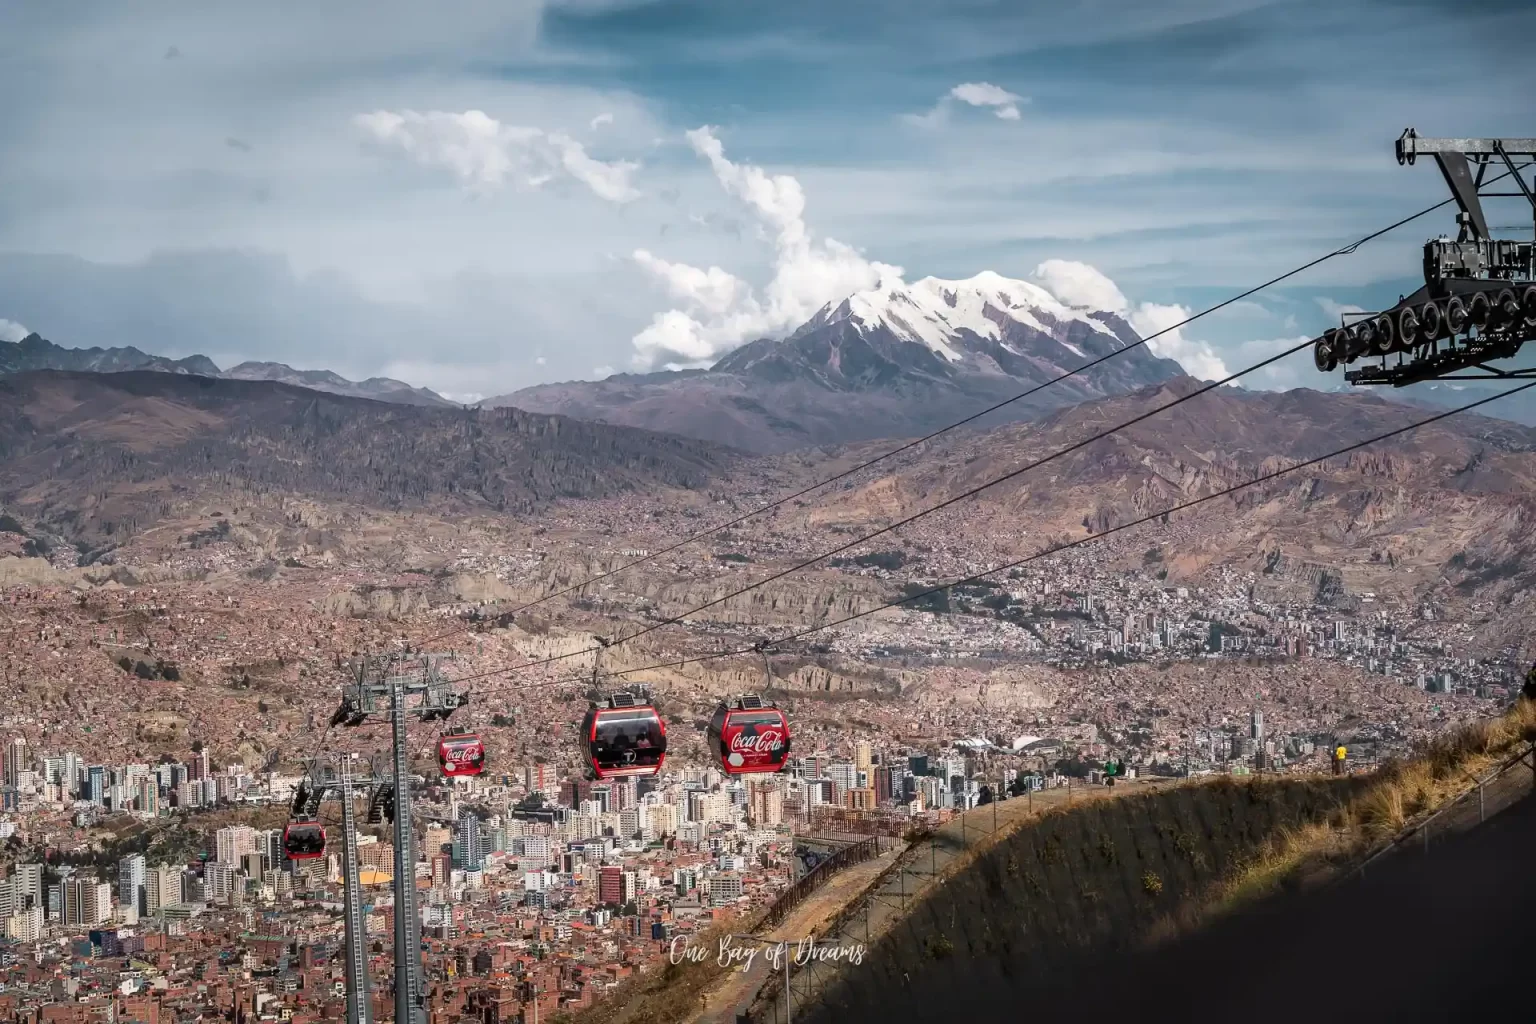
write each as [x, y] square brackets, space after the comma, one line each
[766, 741]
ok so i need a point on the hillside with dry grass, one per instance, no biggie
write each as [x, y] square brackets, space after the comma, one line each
[1063, 892]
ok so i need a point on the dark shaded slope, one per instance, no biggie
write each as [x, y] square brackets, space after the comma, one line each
[117, 446]
[1074, 888]
[1420, 938]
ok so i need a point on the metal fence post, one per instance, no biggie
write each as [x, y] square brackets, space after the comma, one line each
[1481, 817]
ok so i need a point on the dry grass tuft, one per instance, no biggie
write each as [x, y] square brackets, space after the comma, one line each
[664, 994]
[1400, 795]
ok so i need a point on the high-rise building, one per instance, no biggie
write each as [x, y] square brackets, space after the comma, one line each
[16, 761]
[24, 925]
[219, 881]
[26, 886]
[269, 843]
[146, 799]
[131, 874]
[863, 755]
[96, 783]
[844, 776]
[253, 864]
[233, 842]
[537, 852]
[470, 857]
[765, 804]
[162, 887]
[1256, 725]
[542, 778]
[724, 888]
[434, 838]
[87, 901]
[662, 819]
[63, 770]
[615, 886]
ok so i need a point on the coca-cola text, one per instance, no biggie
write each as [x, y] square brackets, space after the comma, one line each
[765, 742]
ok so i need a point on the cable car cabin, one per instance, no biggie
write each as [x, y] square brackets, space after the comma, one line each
[461, 754]
[623, 737]
[748, 736]
[304, 840]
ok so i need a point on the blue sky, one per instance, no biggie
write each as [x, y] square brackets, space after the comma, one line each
[196, 177]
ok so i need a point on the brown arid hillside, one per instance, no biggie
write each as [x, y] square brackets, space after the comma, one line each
[1445, 511]
[100, 456]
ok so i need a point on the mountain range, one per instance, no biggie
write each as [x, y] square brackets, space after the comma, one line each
[895, 360]
[37, 353]
[96, 456]
[898, 360]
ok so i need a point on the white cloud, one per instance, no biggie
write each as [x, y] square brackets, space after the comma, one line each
[721, 311]
[485, 154]
[984, 94]
[1004, 104]
[1197, 357]
[1335, 310]
[10, 330]
[1086, 287]
[602, 372]
[1078, 284]
[540, 361]
[600, 120]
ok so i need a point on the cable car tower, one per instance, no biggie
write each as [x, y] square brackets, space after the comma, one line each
[322, 777]
[399, 685]
[1478, 302]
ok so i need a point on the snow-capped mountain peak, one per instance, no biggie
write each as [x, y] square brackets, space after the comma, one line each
[936, 312]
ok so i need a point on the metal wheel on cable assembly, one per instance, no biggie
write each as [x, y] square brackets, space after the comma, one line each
[1323, 354]
[1407, 329]
[1456, 318]
[1385, 335]
[1430, 322]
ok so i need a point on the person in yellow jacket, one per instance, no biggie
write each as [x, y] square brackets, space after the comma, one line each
[1339, 754]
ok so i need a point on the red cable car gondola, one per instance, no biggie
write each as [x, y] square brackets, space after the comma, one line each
[304, 840]
[461, 754]
[623, 736]
[748, 736]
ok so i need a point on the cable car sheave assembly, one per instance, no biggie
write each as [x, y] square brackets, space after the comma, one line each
[1478, 302]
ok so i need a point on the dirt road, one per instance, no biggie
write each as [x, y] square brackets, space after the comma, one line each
[736, 990]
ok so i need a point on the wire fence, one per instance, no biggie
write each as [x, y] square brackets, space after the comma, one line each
[789, 899]
[933, 857]
[1455, 815]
